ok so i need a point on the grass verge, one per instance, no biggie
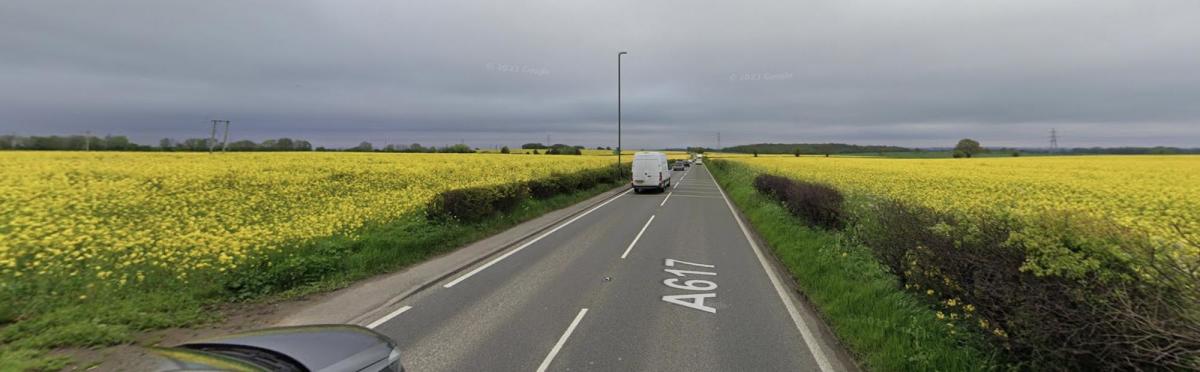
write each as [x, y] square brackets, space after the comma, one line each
[886, 328]
[325, 264]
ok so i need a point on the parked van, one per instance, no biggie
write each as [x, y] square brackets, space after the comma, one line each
[650, 171]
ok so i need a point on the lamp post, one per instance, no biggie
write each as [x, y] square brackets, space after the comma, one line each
[619, 148]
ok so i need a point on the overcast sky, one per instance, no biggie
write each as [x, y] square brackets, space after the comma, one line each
[912, 72]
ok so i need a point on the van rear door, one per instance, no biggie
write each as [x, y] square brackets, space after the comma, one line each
[645, 172]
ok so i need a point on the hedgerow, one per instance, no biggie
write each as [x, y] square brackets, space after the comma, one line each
[1053, 291]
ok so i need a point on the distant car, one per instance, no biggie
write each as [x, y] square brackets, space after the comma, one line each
[679, 165]
[699, 161]
[687, 163]
[304, 348]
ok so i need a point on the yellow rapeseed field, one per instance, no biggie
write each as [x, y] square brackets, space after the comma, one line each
[113, 215]
[1155, 194]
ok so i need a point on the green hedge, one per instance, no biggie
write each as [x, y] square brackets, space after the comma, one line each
[1058, 291]
[478, 203]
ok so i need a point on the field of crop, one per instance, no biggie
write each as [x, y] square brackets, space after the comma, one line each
[113, 217]
[1159, 195]
[1079, 263]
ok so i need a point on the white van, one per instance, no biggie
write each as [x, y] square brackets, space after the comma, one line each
[650, 171]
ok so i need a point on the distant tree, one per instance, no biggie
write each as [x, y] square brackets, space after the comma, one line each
[561, 149]
[390, 148]
[116, 143]
[534, 145]
[194, 144]
[535, 152]
[243, 145]
[321, 148]
[756, 153]
[302, 145]
[166, 144]
[284, 144]
[1016, 154]
[504, 150]
[797, 152]
[363, 146]
[459, 148]
[968, 147]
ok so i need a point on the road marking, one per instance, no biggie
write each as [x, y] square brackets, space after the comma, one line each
[388, 317]
[699, 196]
[639, 236]
[665, 199]
[561, 340]
[529, 243]
[681, 179]
[805, 332]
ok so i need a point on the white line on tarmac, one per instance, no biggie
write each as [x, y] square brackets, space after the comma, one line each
[665, 200]
[388, 317]
[681, 179]
[805, 332]
[635, 239]
[529, 243]
[699, 196]
[561, 340]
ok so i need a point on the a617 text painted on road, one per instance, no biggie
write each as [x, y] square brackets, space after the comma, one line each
[690, 300]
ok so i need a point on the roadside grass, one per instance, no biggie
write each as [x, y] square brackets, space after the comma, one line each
[326, 264]
[886, 328]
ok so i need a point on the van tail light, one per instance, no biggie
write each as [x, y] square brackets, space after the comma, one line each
[659, 177]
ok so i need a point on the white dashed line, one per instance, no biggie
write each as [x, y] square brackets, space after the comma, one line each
[561, 340]
[388, 317]
[635, 239]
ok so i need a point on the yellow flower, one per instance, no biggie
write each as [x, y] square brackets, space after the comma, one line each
[111, 217]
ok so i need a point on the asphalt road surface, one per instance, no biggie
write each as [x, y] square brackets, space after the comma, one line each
[643, 282]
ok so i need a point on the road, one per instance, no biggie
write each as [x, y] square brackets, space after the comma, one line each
[642, 282]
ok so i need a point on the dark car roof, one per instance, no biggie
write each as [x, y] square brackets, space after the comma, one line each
[316, 347]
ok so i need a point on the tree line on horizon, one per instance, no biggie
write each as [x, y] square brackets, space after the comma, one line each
[122, 143]
[963, 149]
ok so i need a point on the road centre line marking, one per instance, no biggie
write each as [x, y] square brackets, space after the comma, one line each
[529, 243]
[388, 317]
[680, 180]
[805, 332]
[639, 236]
[665, 200]
[561, 340]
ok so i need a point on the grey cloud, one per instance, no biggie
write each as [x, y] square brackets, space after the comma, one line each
[920, 73]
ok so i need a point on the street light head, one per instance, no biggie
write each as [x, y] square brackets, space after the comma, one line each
[622, 53]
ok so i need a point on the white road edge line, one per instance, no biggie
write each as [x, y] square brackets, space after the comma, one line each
[388, 317]
[805, 332]
[639, 236]
[561, 340]
[529, 243]
[665, 199]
